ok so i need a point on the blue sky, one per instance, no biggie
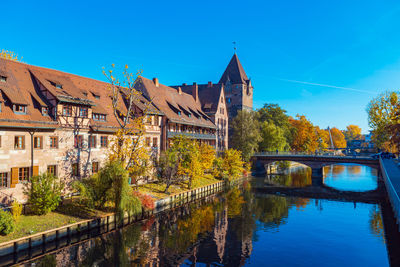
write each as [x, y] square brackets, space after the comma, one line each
[323, 59]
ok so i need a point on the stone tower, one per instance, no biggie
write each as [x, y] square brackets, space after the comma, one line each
[238, 88]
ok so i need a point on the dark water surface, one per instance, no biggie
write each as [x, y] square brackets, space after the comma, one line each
[239, 228]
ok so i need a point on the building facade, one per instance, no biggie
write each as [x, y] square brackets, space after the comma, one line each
[213, 103]
[183, 114]
[56, 122]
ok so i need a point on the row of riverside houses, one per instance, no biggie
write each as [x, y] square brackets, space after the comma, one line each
[56, 122]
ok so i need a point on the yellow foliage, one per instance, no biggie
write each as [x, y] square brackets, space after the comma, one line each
[9, 55]
[338, 138]
[16, 211]
[305, 137]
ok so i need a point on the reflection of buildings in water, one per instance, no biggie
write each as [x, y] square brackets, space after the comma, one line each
[220, 229]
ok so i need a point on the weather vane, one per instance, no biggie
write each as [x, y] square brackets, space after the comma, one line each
[234, 46]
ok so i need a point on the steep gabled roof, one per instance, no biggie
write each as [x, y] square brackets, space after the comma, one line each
[21, 87]
[170, 102]
[234, 72]
[209, 95]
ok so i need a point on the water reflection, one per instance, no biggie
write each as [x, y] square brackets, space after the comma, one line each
[239, 228]
[299, 177]
[350, 177]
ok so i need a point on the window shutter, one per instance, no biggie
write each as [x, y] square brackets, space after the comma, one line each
[41, 142]
[35, 170]
[23, 142]
[14, 177]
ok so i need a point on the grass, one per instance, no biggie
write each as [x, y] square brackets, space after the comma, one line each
[157, 190]
[66, 214]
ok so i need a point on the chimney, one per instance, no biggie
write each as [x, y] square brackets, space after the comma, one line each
[184, 84]
[155, 81]
[209, 84]
[195, 92]
[179, 90]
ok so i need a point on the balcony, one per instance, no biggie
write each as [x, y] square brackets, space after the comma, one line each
[192, 135]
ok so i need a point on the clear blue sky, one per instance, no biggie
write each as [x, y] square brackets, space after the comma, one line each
[286, 47]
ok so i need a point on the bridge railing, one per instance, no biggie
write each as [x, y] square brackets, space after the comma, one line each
[311, 154]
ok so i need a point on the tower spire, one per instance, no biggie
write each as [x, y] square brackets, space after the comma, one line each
[234, 47]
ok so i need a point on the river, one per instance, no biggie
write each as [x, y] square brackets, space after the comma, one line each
[240, 228]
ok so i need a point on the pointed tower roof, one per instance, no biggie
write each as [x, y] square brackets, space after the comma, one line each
[234, 72]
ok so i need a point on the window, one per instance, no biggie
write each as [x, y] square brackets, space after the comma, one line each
[20, 109]
[103, 141]
[45, 111]
[58, 86]
[19, 142]
[221, 110]
[23, 174]
[78, 141]
[148, 141]
[52, 169]
[148, 120]
[155, 142]
[156, 120]
[3, 78]
[83, 112]
[75, 169]
[3, 179]
[38, 142]
[228, 100]
[92, 141]
[179, 112]
[53, 141]
[95, 167]
[99, 117]
[67, 110]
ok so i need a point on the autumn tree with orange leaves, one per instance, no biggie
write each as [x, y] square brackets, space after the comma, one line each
[304, 134]
[338, 138]
[9, 55]
[352, 132]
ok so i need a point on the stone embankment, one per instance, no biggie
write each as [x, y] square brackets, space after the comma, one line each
[29, 247]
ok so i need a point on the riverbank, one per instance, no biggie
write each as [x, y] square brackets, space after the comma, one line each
[72, 212]
[70, 233]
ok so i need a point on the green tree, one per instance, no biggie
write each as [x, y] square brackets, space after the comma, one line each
[272, 137]
[382, 115]
[44, 193]
[167, 169]
[110, 185]
[188, 156]
[7, 223]
[246, 133]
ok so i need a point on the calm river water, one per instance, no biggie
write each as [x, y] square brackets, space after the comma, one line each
[238, 228]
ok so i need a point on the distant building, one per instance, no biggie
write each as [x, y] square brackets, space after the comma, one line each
[213, 103]
[183, 112]
[222, 101]
[238, 87]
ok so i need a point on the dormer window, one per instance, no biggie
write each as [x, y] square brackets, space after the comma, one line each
[3, 78]
[179, 112]
[99, 117]
[189, 115]
[58, 86]
[20, 109]
[96, 95]
[45, 111]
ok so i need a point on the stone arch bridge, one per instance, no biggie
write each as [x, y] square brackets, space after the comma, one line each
[315, 162]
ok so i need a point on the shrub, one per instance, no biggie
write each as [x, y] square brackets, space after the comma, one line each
[110, 185]
[16, 210]
[146, 200]
[7, 224]
[44, 193]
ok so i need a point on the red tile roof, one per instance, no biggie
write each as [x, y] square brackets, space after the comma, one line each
[22, 87]
[170, 101]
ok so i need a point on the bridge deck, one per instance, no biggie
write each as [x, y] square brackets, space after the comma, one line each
[391, 175]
